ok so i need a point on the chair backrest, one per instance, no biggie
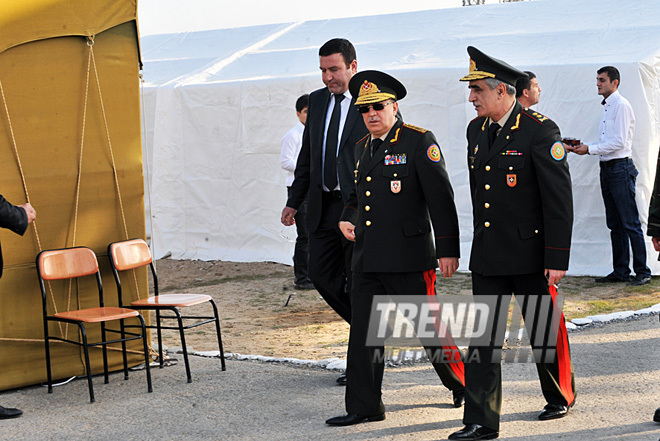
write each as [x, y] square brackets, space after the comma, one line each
[129, 254]
[67, 263]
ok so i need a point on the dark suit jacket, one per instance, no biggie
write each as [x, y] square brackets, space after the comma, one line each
[654, 206]
[522, 200]
[309, 168]
[395, 202]
[13, 218]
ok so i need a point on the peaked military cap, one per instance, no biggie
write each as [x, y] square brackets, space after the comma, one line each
[372, 86]
[483, 66]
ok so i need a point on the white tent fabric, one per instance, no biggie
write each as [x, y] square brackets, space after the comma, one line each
[218, 102]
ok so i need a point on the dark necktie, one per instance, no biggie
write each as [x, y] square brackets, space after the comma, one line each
[375, 143]
[492, 134]
[331, 141]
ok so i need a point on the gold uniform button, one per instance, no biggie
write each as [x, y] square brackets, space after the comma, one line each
[368, 178]
[510, 168]
[487, 186]
[367, 193]
[488, 168]
[396, 174]
[356, 181]
[367, 208]
[486, 224]
[367, 223]
[472, 167]
[536, 231]
[487, 205]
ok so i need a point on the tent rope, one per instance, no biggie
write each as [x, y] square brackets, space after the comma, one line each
[90, 61]
[25, 190]
[112, 155]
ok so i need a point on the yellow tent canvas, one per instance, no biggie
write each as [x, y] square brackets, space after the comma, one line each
[71, 144]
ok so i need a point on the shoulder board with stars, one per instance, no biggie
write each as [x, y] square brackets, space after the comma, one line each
[415, 128]
[536, 116]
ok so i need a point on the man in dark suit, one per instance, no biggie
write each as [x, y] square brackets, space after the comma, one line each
[16, 219]
[653, 230]
[325, 169]
[402, 188]
[523, 215]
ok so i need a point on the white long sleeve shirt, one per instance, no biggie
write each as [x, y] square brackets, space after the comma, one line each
[616, 129]
[291, 144]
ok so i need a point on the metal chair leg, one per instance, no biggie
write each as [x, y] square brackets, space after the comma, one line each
[217, 330]
[146, 354]
[160, 339]
[106, 377]
[123, 348]
[183, 344]
[48, 371]
[87, 363]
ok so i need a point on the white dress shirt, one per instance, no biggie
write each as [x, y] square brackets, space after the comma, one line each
[291, 144]
[345, 105]
[617, 126]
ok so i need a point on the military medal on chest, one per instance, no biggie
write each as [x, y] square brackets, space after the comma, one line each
[395, 186]
[511, 180]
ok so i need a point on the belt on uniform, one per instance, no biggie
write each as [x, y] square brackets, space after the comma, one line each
[611, 162]
[335, 194]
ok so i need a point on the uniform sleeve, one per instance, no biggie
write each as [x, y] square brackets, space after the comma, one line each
[12, 217]
[439, 196]
[554, 181]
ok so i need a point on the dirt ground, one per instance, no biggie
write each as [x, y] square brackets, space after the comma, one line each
[252, 296]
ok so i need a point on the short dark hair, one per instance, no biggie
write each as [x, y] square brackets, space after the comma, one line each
[339, 46]
[302, 102]
[611, 72]
[524, 83]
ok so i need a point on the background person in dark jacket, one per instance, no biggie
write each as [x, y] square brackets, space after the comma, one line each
[16, 219]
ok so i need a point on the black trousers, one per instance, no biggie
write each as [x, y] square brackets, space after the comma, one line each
[483, 379]
[330, 257]
[366, 364]
[300, 253]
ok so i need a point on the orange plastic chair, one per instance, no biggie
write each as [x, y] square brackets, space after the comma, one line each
[70, 263]
[131, 254]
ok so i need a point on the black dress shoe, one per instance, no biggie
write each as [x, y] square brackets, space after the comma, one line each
[639, 281]
[341, 380]
[353, 418]
[611, 278]
[6, 413]
[304, 286]
[474, 432]
[656, 416]
[554, 411]
[459, 397]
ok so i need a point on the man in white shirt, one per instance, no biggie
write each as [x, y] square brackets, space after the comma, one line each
[617, 180]
[291, 143]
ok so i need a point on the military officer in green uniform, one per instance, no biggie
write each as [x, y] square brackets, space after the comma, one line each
[402, 190]
[523, 215]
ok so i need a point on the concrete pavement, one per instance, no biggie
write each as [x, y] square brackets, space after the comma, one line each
[617, 370]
